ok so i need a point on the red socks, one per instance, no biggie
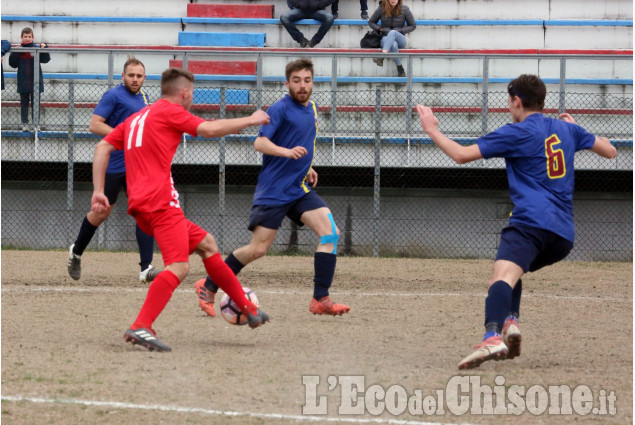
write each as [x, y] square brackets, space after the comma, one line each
[159, 294]
[223, 276]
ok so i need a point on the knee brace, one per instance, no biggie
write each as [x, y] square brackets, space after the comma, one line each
[333, 237]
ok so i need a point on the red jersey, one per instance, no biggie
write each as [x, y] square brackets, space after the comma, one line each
[149, 139]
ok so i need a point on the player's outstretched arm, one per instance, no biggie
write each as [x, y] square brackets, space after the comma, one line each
[459, 153]
[99, 202]
[219, 128]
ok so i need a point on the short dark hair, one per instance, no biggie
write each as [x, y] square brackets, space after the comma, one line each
[297, 65]
[530, 89]
[26, 30]
[170, 79]
[132, 61]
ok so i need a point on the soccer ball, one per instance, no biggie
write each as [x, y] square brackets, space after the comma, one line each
[230, 311]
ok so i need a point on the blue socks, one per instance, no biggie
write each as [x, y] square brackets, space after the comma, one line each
[235, 266]
[146, 248]
[324, 267]
[497, 306]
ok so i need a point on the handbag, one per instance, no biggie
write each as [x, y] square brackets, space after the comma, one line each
[371, 40]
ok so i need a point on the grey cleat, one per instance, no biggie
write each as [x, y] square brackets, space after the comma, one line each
[148, 274]
[257, 320]
[146, 338]
[74, 264]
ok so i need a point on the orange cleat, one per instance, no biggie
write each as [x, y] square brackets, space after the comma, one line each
[205, 298]
[326, 306]
[512, 337]
[493, 348]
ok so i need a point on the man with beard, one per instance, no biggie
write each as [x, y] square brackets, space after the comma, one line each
[284, 189]
[115, 106]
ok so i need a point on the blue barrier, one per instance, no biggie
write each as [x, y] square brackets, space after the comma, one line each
[232, 96]
[222, 39]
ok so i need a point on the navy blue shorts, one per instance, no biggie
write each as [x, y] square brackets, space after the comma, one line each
[113, 184]
[271, 216]
[532, 248]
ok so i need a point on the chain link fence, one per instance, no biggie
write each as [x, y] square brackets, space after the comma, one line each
[392, 192]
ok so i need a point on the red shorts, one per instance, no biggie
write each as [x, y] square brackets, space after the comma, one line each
[176, 236]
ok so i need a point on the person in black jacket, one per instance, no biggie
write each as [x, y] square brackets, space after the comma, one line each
[6, 46]
[25, 62]
[396, 21]
[307, 9]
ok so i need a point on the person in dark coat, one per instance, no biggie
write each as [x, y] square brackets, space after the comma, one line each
[25, 62]
[6, 46]
[307, 9]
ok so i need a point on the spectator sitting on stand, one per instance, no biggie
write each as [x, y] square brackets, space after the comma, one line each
[396, 21]
[307, 9]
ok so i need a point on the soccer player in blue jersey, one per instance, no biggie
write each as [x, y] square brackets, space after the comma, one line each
[284, 189]
[539, 153]
[115, 106]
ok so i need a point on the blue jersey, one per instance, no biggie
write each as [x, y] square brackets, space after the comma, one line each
[283, 180]
[115, 106]
[539, 155]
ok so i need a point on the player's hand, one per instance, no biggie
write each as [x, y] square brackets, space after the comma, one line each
[99, 203]
[312, 177]
[566, 117]
[260, 117]
[428, 121]
[296, 152]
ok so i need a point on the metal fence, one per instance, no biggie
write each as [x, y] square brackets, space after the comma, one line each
[391, 190]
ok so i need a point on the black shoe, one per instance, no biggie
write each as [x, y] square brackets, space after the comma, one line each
[379, 61]
[260, 319]
[364, 15]
[312, 44]
[335, 15]
[304, 42]
[145, 337]
[400, 71]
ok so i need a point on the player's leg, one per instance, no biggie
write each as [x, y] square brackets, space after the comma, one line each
[222, 275]
[146, 252]
[314, 213]
[112, 185]
[170, 228]
[264, 222]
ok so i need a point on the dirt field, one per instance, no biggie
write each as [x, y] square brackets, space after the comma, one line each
[64, 360]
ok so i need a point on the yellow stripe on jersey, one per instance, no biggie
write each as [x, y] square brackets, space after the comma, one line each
[145, 98]
[304, 186]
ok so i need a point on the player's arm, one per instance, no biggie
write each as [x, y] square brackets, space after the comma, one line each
[459, 153]
[99, 202]
[219, 128]
[263, 145]
[98, 126]
[602, 145]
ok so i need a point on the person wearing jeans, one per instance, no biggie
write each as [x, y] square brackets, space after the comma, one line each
[396, 21]
[307, 9]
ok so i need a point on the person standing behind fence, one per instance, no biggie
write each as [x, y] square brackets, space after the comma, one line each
[115, 106]
[150, 139]
[396, 22]
[284, 189]
[25, 62]
[307, 9]
[6, 46]
[539, 156]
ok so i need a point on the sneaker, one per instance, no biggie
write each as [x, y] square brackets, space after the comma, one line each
[304, 42]
[145, 337]
[326, 306]
[365, 15]
[25, 127]
[74, 264]
[148, 274]
[511, 337]
[335, 15]
[312, 44]
[205, 298]
[257, 320]
[492, 348]
[379, 61]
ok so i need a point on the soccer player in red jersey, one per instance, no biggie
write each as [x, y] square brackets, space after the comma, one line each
[150, 139]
